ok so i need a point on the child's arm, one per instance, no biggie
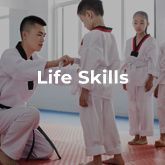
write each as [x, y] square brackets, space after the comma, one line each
[156, 91]
[83, 100]
[124, 62]
[152, 58]
[149, 83]
[125, 85]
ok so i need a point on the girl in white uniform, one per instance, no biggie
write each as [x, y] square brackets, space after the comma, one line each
[160, 94]
[98, 51]
[140, 64]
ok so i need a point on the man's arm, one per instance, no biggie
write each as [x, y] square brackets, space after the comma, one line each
[65, 60]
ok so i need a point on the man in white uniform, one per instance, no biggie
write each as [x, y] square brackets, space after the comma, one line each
[18, 80]
[160, 94]
[98, 51]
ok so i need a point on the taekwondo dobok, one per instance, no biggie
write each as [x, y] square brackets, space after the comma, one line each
[140, 62]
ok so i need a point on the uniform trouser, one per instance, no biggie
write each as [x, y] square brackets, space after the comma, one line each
[140, 112]
[16, 130]
[99, 127]
[161, 107]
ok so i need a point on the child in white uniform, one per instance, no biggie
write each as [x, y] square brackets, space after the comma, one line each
[98, 51]
[140, 64]
[160, 94]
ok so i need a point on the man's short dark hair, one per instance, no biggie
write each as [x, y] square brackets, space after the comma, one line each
[95, 5]
[31, 21]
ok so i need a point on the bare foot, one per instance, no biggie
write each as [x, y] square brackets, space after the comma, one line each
[114, 161]
[133, 141]
[160, 143]
[142, 141]
[5, 160]
[90, 163]
[162, 136]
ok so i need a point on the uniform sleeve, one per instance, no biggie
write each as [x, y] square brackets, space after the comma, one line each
[161, 61]
[20, 69]
[114, 59]
[152, 55]
[91, 53]
[124, 58]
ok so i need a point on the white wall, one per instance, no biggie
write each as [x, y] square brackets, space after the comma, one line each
[18, 4]
[18, 12]
[24, 4]
[15, 18]
[160, 21]
[21, 8]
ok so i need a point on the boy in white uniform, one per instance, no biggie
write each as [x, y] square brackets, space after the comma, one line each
[140, 64]
[98, 51]
[160, 94]
[18, 80]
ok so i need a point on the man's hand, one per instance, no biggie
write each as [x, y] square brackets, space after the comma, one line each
[149, 83]
[66, 60]
[63, 61]
[83, 100]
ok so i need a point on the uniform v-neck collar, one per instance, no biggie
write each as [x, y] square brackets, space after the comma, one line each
[24, 56]
[103, 28]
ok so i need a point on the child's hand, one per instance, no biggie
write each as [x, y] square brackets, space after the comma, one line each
[156, 91]
[83, 100]
[125, 87]
[149, 83]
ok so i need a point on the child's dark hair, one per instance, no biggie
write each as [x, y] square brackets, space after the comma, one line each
[95, 5]
[31, 21]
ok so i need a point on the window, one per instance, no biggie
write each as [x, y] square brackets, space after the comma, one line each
[4, 30]
[68, 31]
[67, 28]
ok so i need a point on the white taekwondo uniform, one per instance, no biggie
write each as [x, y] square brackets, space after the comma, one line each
[140, 61]
[18, 80]
[98, 51]
[161, 90]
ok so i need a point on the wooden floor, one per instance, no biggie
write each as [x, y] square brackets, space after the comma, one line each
[69, 141]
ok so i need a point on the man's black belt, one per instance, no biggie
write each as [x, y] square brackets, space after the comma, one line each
[4, 106]
[33, 142]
